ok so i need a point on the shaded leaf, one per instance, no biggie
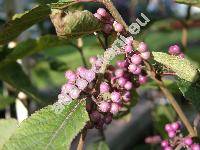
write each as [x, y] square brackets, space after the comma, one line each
[182, 67]
[7, 128]
[30, 47]
[47, 129]
[6, 101]
[74, 24]
[99, 145]
[191, 91]
[15, 76]
[189, 2]
[21, 22]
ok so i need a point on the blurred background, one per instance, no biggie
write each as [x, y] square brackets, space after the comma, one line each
[170, 23]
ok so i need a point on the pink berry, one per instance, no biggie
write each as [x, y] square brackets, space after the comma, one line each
[81, 83]
[142, 79]
[142, 47]
[195, 147]
[121, 64]
[175, 126]
[132, 67]
[127, 96]
[145, 55]
[136, 59]
[102, 12]
[168, 128]
[118, 27]
[104, 87]
[165, 143]
[64, 99]
[171, 134]
[188, 141]
[168, 148]
[93, 60]
[115, 108]
[128, 48]
[90, 75]
[74, 93]
[181, 55]
[98, 16]
[107, 28]
[70, 75]
[115, 97]
[104, 107]
[137, 71]
[128, 85]
[174, 50]
[119, 73]
[66, 88]
[121, 81]
[129, 41]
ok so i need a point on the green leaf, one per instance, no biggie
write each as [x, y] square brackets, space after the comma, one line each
[15, 76]
[74, 24]
[48, 130]
[32, 46]
[191, 91]
[99, 145]
[189, 2]
[7, 128]
[21, 22]
[182, 67]
[6, 101]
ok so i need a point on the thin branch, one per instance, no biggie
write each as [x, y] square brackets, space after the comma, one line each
[100, 40]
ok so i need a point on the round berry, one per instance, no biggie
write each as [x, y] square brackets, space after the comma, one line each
[174, 50]
[107, 28]
[102, 12]
[168, 128]
[70, 75]
[95, 116]
[136, 59]
[195, 147]
[132, 67]
[188, 141]
[128, 85]
[118, 27]
[119, 73]
[64, 99]
[74, 93]
[121, 81]
[127, 96]
[142, 79]
[104, 107]
[171, 134]
[115, 97]
[137, 71]
[121, 64]
[81, 83]
[181, 55]
[104, 87]
[115, 108]
[128, 48]
[129, 41]
[165, 143]
[93, 60]
[98, 16]
[66, 88]
[175, 126]
[142, 47]
[145, 55]
[168, 148]
[90, 75]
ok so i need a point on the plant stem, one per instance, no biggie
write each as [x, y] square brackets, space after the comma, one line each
[100, 41]
[172, 100]
[82, 140]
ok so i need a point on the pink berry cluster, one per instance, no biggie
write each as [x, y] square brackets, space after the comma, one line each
[176, 139]
[176, 50]
[109, 23]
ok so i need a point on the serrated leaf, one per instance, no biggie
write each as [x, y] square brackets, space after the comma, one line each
[191, 91]
[30, 47]
[21, 22]
[6, 101]
[74, 24]
[7, 128]
[99, 145]
[15, 76]
[48, 130]
[189, 2]
[182, 67]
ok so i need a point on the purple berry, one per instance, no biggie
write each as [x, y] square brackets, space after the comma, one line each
[115, 108]
[195, 147]
[98, 16]
[145, 55]
[132, 67]
[108, 119]
[90, 75]
[107, 28]
[128, 48]
[165, 143]
[127, 96]
[95, 116]
[168, 148]
[81, 83]
[142, 47]
[115, 97]
[137, 71]
[119, 73]
[93, 60]
[121, 64]
[171, 134]
[188, 141]
[104, 107]
[104, 87]
[175, 126]
[136, 59]
[128, 85]
[129, 41]
[118, 27]
[168, 128]
[74, 93]
[142, 79]
[121, 81]
[102, 12]
[174, 50]
[70, 75]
